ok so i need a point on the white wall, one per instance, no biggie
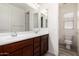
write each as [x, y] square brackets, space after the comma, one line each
[53, 28]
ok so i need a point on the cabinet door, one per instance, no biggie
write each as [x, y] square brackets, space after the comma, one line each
[16, 53]
[37, 51]
[44, 44]
[37, 46]
[42, 47]
[10, 48]
[28, 51]
[36, 42]
[1, 51]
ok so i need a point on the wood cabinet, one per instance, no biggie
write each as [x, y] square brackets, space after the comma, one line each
[37, 46]
[30, 47]
[19, 48]
[16, 53]
[28, 51]
[1, 51]
[44, 44]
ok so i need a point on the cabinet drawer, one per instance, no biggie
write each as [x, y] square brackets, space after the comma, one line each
[14, 46]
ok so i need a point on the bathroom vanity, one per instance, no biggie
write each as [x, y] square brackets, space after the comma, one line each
[23, 32]
[35, 46]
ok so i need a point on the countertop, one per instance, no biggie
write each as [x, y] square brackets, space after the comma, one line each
[20, 36]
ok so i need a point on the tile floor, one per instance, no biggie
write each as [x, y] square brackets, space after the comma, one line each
[65, 52]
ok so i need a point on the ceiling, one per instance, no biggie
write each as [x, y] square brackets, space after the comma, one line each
[43, 5]
[66, 5]
[20, 5]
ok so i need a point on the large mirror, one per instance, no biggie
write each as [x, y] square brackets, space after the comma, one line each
[14, 18]
[19, 17]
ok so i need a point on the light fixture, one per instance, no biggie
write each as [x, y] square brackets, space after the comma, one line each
[33, 5]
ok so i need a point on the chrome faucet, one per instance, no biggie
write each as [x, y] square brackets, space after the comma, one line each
[36, 31]
[13, 34]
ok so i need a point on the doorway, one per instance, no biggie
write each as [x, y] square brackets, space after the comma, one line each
[67, 29]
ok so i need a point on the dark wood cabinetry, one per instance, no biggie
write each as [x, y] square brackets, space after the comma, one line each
[35, 46]
[1, 51]
[16, 53]
[28, 51]
[19, 48]
[44, 44]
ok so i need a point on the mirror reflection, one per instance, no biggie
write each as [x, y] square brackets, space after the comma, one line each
[20, 17]
[35, 20]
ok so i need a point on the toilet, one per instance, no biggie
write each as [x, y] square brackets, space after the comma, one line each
[68, 42]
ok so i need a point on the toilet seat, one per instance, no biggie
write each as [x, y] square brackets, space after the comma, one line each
[68, 41]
